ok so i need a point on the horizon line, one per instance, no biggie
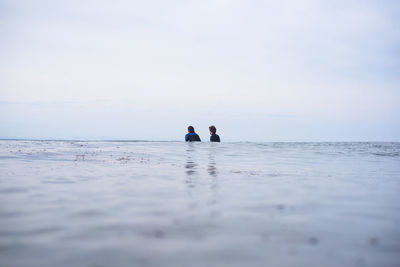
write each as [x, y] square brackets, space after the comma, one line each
[180, 141]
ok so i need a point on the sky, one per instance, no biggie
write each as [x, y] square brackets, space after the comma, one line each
[145, 70]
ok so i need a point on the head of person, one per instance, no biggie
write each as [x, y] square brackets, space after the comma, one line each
[190, 129]
[212, 129]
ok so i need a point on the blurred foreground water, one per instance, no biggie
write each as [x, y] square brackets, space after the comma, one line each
[66, 203]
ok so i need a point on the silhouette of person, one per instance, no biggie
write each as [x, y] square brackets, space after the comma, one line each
[191, 136]
[214, 137]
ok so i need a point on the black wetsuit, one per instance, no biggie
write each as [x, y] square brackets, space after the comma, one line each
[192, 137]
[214, 138]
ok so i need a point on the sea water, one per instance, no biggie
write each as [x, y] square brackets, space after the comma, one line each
[75, 203]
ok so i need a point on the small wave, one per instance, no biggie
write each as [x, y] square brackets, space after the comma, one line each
[388, 154]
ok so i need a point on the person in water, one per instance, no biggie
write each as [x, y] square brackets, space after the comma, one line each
[214, 137]
[192, 136]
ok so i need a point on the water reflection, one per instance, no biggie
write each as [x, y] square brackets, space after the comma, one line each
[212, 170]
[195, 172]
[191, 165]
[212, 166]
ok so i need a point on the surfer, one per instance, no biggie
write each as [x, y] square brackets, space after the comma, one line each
[191, 136]
[214, 137]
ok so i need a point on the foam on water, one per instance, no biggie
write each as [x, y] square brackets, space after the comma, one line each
[68, 203]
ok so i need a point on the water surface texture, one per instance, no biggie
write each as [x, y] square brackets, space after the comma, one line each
[65, 203]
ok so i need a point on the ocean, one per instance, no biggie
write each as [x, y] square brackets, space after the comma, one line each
[114, 203]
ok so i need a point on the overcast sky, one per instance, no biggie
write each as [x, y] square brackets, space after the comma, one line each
[258, 70]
